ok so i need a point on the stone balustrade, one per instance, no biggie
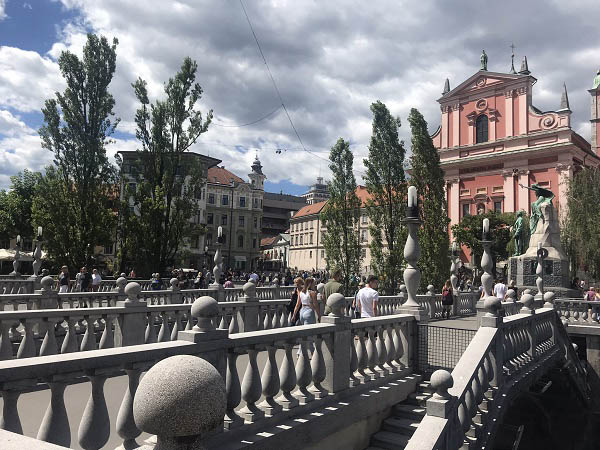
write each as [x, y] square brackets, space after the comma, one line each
[340, 356]
[506, 353]
[578, 311]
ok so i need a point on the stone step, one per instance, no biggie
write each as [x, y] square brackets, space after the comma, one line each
[401, 425]
[409, 411]
[425, 386]
[373, 448]
[417, 399]
[389, 441]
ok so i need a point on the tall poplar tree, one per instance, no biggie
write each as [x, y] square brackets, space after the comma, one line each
[168, 183]
[428, 177]
[341, 215]
[76, 197]
[386, 184]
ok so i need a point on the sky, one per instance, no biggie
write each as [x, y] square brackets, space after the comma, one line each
[330, 61]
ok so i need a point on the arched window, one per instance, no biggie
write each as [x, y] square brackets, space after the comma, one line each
[481, 125]
[240, 241]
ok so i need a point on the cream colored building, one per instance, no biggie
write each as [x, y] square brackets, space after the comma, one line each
[306, 237]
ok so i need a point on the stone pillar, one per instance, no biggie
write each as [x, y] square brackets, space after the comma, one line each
[205, 310]
[37, 261]
[216, 286]
[131, 326]
[336, 351]
[487, 278]
[249, 313]
[440, 404]
[542, 253]
[454, 266]
[491, 318]
[176, 296]
[50, 298]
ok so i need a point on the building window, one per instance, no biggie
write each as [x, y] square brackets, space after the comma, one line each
[466, 209]
[482, 190]
[311, 238]
[242, 202]
[209, 219]
[109, 249]
[242, 221]
[211, 199]
[254, 243]
[225, 200]
[224, 219]
[296, 240]
[301, 239]
[256, 222]
[208, 239]
[481, 127]
[465, 192]
[497, 189]
[363, 235]
[310, 254]
[255, 203]
[545, 184]
[363, 219]
[240, 241]
[498, 206]
[363, 252]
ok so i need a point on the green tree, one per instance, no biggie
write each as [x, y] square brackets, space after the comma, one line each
[169, 182]
[428, 177]
[386, 183]
[341, 215]
[15, 205]
[468, 232]
[580, 230]
[76, 204]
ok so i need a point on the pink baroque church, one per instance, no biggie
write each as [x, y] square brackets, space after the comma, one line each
[492, 140]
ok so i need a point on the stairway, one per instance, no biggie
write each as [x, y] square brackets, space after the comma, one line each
[397, 429]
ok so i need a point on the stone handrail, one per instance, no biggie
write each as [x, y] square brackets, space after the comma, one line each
[16, 286]
[504, 354]
[577, 311]
[340, 363]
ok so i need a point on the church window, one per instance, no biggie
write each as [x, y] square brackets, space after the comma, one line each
[481, 126]
[466, 209]
[498, 206]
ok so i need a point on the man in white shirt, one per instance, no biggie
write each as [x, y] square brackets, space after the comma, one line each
[500, 290]
[368, 298]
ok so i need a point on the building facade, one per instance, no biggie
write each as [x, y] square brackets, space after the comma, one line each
[277, 211]
[236, 206]
[318, 192]
[306, 237]
[275, 253]
[494, 144]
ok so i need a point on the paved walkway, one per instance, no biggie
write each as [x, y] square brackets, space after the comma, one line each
[463, 323]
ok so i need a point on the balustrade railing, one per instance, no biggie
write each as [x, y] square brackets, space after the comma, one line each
[376, 349]
[578, 311]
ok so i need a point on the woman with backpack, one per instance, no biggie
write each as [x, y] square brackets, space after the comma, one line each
[447, 299]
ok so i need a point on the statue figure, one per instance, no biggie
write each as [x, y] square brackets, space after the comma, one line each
[597, 80]
[518, 234]
[543, 196]
[483, 60]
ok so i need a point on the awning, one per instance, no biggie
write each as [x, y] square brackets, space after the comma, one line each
[239, 258]
[9, 255]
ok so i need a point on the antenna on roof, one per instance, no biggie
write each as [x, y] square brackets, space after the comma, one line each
[512, 59]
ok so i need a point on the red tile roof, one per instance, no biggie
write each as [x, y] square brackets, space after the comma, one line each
[361, 193]
[222, 176]
[268, 241]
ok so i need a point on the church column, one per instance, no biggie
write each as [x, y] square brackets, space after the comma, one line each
[508, 95]
[522, 110]
[594, 119]
[454, 203]
[565, 173]
[455, 125]
[524, 203]
[445, 128]
[509, 191]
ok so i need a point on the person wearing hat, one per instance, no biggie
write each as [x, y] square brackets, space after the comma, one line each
[368, 297]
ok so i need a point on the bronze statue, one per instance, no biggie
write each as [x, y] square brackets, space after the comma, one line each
[518, 234]
[597, 80]
[543, 196]
[483, 60]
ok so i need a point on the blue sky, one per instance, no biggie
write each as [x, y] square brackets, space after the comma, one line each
[330, 60]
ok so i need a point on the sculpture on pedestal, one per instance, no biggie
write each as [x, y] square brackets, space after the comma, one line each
[412, 251]
[544, 196]
[596, 80]
[484, 60]
[519, 234]
[17, 260]
[218, 269]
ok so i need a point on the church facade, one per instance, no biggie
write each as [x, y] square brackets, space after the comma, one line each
[494, 143]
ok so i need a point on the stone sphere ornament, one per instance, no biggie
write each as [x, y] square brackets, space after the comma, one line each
[249, 289]
[493, 304]
[180, 396]
[337, 304]
[132, 290]
[441, 381]
[47, 283]
[205, 309]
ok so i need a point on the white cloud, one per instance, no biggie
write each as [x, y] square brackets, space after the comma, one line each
[2, 9]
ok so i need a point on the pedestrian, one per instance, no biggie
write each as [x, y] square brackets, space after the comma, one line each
[306, 308]
[86, 280]
[132, 273]
[333, 286]
[156, 283]
[321, 298]
[254, 278]
[368, 298]
[291, 306]
[78, 280]
[96, 280]
[354, 307]
[447, 299]
[590, 296]
[64, 279]
[229, 283]
[500, 290]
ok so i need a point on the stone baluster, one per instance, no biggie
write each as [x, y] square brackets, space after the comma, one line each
[233, 324]
[181, 400]
[10, 420]
[107, 340]
[150, 333]
[275, 321]
[317, 365]
[49, 345]
[251, 389]
[303, 374]
[270, 384]
[354, 381]
[163, 334]
[125, 424]
[250, 311]
[94, 428]
[176, 325]
[70, 343]
[287, 375]
[372, 358]
[131, 326]
[89, 338]
[388, 331]
[234, 392]
[27, 346]
[55, 424]
[362, 356]
[487, 278]
[454, 266]
[6, 351]
[398, 345]
[381, 352]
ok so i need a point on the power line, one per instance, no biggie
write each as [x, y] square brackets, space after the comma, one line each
[249, 123]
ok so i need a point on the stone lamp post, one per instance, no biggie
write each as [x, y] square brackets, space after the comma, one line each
[218, 269]
[412, 251]
[487, 279]
[17, 260]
